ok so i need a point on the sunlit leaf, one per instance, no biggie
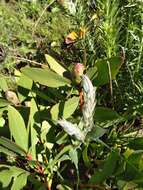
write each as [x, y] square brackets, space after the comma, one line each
[3, 83]
[6, 177]
[17, 128]
[54, 65]
[6, 143]
[2, 121]
[4, 103]
[19, 176]
[45, 77]
[100, 73]
[74, 157]
[20, 181]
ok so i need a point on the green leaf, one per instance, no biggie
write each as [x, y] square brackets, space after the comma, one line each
[134, 166]
[17, 171]
[24, 86]
[136, 144]
[64, 109]
[47, 135]
[45, 77]
[19, 176]
[2, 121]
[92, 72]
[6, 143]
[17, 128]
[6, 177]
[96, 132]
[85, 156]
[20, 181]
[4, 103]
[7, 152]
[59, 155]
[54, 65]
[107, 170]
[103, 114]
[32, 125]
[74, 157]
[3, 83]
[101, 74]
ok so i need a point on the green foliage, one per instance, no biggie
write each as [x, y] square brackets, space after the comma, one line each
[54, 65]
[108, 168]
[17, 127]
[64, 109]
[45, 77]
[37, 87]
[19, 177]
[7, 145]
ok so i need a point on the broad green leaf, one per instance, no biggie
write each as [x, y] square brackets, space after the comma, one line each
[103, 114]
[17, 171]
[24, 86]
[6, 143]
[102, 68]
[43, 95]
[92, 72]
[45, 77]
[6, 177]
[20, 181]
[54, 65]
[9, 172]
[17, 128]
[133, 164]
[4, 103]
[108, 168]
[64, 109]
[96, 132]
